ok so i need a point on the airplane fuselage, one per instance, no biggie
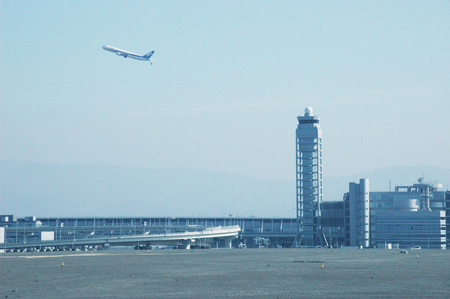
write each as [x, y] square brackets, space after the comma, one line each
[126, 54]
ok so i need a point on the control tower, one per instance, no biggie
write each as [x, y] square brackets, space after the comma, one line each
[309, 179]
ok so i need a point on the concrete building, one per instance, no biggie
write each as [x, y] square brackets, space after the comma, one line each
[447, 216]
[309, 179]
[409, 216]
[2, 238]
[421, 196]
[357, 212]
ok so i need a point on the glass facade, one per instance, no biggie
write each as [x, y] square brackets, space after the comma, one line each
[425, 229]
[381, 202]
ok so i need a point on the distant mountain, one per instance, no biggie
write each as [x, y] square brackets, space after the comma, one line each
[67, 190]
[103, 190]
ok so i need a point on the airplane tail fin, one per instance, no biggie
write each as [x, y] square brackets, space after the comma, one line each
[148, 55]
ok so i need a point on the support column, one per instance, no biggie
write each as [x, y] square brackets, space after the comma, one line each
[228, 242]
[187, 243]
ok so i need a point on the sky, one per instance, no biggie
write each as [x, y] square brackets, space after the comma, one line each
[228, 80]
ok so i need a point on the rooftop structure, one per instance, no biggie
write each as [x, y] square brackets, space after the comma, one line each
[425, 189]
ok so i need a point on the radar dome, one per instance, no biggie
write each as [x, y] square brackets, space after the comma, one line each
[308, 111]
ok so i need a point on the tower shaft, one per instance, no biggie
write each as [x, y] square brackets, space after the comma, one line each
[309, 178]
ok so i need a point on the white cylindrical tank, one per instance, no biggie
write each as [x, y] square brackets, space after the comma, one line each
[409, 204]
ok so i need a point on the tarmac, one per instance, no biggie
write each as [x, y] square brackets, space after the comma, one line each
[220, 273]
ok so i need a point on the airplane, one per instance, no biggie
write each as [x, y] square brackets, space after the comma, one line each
[126, 54]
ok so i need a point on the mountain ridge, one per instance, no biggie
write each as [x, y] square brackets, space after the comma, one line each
[109, 190]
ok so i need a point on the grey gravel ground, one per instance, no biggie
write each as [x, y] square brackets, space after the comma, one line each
[259, 273]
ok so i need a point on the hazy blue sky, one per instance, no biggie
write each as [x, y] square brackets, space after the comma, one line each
[228, 81]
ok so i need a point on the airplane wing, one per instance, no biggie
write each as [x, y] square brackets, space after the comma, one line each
[122, 54]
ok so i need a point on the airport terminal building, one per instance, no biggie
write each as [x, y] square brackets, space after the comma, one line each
[409, 216]
[395, 217]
